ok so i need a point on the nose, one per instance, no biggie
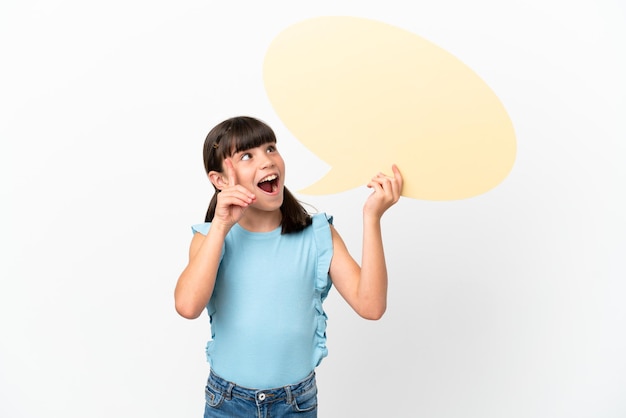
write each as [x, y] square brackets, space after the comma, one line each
[266, 161]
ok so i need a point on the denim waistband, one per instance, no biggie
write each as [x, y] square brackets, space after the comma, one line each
[287, 393]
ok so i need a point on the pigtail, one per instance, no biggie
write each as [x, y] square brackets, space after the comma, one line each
[295, 216]
[210, 213]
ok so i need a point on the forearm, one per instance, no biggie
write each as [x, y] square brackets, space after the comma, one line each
[372, 287]
[364, 287]
[195, 284]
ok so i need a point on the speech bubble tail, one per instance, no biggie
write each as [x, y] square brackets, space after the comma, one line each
[332, 182]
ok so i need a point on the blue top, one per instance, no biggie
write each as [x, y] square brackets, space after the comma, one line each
[268, 327]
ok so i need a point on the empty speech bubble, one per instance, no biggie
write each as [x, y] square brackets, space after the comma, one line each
[363, 95]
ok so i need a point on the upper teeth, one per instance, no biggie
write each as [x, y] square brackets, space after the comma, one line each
[269, 178]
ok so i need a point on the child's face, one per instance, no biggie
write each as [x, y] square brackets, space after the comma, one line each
[261, 170]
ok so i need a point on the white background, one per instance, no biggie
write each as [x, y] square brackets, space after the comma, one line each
[509, 304]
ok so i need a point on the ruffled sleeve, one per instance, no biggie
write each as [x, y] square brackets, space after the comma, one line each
[324, 245]
[202, 228]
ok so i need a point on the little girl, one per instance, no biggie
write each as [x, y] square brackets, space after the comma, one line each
[262, 266]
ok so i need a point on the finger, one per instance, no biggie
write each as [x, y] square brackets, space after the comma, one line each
[397, 174]
[399, 181]
[230, 201]
[387, 188]
[391, 184]
[375, 184]
[380, 187]
[230, 172]
[237, 192]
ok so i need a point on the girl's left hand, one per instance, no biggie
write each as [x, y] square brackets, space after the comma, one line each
[386, 193]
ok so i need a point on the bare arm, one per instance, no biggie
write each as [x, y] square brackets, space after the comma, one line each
[195, 284]
[365, 287]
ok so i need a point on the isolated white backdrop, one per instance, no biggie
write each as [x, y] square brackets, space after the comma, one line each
[509, 304]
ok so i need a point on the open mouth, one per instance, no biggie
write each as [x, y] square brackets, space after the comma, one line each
[269, 184]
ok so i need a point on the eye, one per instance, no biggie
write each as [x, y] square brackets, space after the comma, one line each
[271, 148]
[246, 156]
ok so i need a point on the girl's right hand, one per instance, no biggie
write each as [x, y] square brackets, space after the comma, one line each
[232, 200]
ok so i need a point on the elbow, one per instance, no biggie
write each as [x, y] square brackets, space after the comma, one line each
[372, 313]
[188, 304]
[187, 311]
[375, 316]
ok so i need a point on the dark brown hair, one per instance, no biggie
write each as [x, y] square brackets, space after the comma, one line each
[239, 134]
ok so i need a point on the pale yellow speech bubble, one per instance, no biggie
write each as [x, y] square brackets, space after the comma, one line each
[362, 95]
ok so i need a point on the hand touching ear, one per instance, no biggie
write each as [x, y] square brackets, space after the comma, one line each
[387, 191]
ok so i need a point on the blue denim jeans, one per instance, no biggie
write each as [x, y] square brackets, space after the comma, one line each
[225, 399]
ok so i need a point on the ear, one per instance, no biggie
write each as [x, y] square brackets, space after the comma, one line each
[218, 180]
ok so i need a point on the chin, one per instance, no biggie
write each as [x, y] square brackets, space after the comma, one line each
[270, 205]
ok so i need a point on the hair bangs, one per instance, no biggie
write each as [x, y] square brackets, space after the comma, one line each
[246, 133]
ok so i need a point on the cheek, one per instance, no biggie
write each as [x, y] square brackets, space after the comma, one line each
[245, 176]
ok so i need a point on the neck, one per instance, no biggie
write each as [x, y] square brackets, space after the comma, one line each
[261, 221]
